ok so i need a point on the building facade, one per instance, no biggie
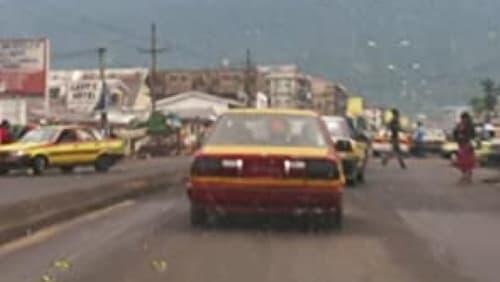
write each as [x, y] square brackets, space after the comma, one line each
[328, 97]
[224, 82]
[323, 95]
[340, 98]
[286, 86]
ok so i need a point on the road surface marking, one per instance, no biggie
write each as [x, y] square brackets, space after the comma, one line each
[116, 232]
[49, 232]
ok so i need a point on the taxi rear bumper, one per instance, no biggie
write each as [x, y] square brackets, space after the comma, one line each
[261, 200]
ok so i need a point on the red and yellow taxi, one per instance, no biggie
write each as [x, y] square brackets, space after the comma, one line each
[267, 161]
[64, 147]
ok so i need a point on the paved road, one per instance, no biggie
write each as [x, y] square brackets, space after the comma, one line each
[414, 225]
[21, 186]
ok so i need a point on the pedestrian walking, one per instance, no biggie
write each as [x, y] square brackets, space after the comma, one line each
[418, 140]
[394, 130]
[464, 134]
[5, 135]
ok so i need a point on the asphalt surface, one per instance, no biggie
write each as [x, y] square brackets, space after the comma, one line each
[414, 225]
[21, 186]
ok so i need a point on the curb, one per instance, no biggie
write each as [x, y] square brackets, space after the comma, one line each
[24, 218]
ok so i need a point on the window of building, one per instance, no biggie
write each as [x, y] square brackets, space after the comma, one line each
[115, 99]
[55, 92]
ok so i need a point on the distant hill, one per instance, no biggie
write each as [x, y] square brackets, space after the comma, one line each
[454, 42]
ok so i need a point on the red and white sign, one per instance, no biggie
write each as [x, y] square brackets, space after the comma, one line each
[23, 66]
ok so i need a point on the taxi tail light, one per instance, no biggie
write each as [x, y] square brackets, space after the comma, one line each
[205, 166]
[295, 168]
[212, 166]
[321, 170]
[318, 169]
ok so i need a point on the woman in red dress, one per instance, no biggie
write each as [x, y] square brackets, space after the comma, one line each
[5, 137]
[464, 135]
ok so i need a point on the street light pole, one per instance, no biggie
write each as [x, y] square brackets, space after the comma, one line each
[249, 83]
[153, 51]
[153, 68]
[102, 76]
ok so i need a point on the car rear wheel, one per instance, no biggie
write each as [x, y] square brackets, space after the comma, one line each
[335, 220]
[331, 221]
[103, 164]
[352, 181]
[198, 216]
[67, 169]
[40, 164]
[361, 176]
[338, 219]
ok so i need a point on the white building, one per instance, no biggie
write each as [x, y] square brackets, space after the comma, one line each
[286, 86]
[195, 104]
[261, 100]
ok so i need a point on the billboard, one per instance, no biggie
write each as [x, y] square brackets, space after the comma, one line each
[84, 95]
[355, 106]
[23, 67]
[82, 89]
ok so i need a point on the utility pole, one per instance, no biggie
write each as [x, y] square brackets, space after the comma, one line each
[154, 62]
[153, 78]
[249, 79]
[102, 76]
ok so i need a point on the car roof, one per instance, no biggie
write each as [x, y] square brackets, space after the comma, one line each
[62, 127]
[273, 111]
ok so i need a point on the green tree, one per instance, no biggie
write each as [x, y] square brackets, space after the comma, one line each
[478, 105]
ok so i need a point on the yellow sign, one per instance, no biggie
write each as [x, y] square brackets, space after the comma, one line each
[405, 122]
[387, 116]
[355, 106]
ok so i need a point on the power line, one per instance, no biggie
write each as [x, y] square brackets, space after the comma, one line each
[127, 38]
[74, 54]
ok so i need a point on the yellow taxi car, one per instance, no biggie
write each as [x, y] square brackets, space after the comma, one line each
[488, 153]
[352, 150]
[64, 147]
[483, 149]
[267, 162]
[449, 150]
[434, 140]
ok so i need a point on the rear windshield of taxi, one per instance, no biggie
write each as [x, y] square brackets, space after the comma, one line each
[267, 130]
[338, 128]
